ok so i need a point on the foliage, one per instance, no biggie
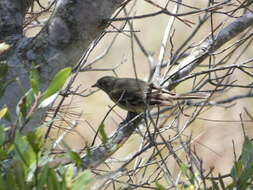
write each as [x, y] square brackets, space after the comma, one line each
[25, 164]
[240, 176]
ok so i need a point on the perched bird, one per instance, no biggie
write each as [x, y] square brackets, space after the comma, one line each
[135, 95]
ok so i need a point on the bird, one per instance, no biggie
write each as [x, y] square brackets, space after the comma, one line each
[135, 95]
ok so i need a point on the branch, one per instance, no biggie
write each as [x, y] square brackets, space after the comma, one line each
[207, 47]
[103, 151]
[100, 153]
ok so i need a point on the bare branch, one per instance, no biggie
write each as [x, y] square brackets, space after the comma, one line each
[208, 46]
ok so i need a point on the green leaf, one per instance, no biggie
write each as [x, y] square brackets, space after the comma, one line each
[231, 185]
[30, 98]
[69, 173]
[2, 135]
[52, 181]
[3, 69]
[24, 151]
[215, 185]
[4, 47]
[245, 177]
[236, 170]
[43, 175]
[184, 169]
[45, 103]
[102, 133]
[75, 158]
[4, 113]
[20, 175]
[159, 186]
[3, 154]
[10, 181]
[88, 151]
[242, 170]
[35, 139]
[34, 80]
[24, 105]
[247, 152]
[3, 183]
[57, 82]
[35, 86]
[82, 180]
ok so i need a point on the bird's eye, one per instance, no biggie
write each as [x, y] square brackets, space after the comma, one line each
[102, 84]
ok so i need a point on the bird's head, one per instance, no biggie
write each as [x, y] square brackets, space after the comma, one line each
[105, 83]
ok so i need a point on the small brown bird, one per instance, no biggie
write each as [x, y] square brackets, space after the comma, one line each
[135, 95]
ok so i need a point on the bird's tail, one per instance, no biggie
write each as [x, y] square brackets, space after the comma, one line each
[193, 95]
[168, 99]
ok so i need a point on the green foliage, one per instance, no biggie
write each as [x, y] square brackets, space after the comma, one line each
[240, 177]
[24, 165]
[25, 105]
[102, 133]
[24, 160]
[191, 177]
[159, 186]
[2, 137]
[55, 86]
[35, 80]
[3, 73]
[242, 172]
[3, 70]
[36, 141]
[57, 82]
[82, 181]
[4, 113]
[75, 158]
[32, 99]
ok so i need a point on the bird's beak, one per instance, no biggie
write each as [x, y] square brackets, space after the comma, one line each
[94, 85]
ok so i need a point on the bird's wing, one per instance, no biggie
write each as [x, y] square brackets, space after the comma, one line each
[126, 97]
